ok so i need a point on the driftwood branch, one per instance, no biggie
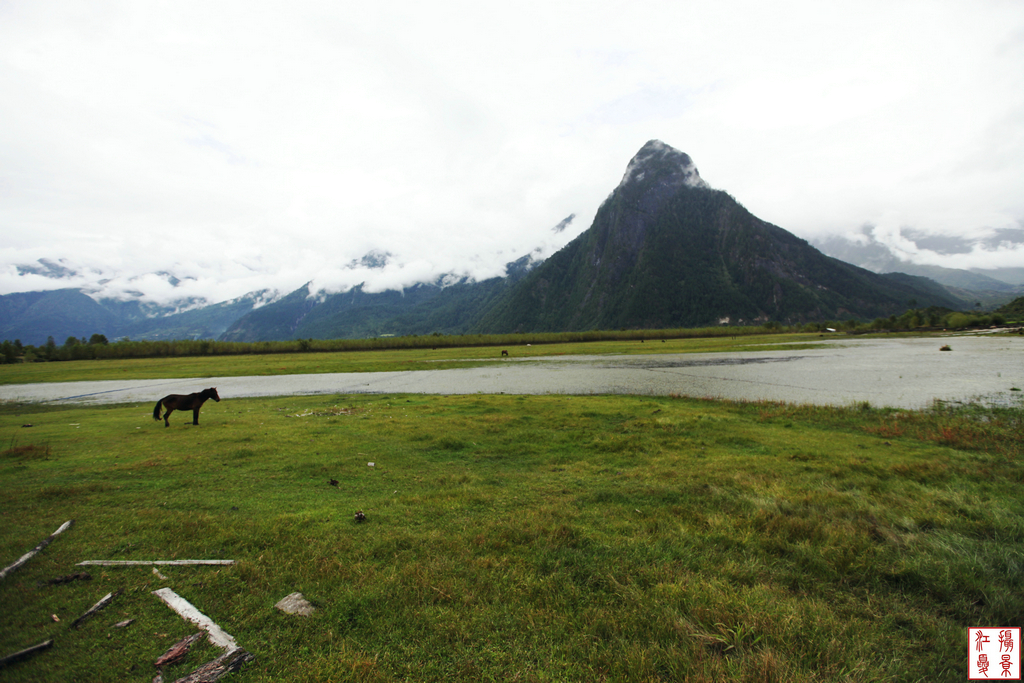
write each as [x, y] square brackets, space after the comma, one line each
[35, 551]
[104, 601]
[186, 610]
[177, 652]
[146, 563]
[68, 578]
[26, 653]
[232, 660]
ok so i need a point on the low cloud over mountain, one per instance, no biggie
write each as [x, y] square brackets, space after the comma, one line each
[886, 247]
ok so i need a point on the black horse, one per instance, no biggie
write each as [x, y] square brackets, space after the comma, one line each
[191, 402]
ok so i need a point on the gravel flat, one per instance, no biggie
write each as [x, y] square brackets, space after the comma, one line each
[906, 373]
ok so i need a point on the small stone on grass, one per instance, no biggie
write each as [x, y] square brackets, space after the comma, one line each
[295, 604]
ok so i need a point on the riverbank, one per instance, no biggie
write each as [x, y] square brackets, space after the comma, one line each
[905, 372]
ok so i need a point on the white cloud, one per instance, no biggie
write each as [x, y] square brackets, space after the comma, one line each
[244, 146]
[1001, 254]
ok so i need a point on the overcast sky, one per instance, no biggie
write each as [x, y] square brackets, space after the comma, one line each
[250, 145]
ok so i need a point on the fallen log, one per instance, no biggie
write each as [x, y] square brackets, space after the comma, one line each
[104, 601]
[35, 551]
[232, 660]
[146, 563]
[26, 653]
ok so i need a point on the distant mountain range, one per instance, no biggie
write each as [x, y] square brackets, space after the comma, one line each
[442, 307]
[33, 316]
[991, 288]
[664, 250]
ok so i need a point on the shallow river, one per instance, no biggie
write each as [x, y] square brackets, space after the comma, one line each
[906, 373]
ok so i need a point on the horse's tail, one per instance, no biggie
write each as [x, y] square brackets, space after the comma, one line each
[156, 411]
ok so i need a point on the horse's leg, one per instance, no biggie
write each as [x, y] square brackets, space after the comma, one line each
[169, 411]
[195, 416]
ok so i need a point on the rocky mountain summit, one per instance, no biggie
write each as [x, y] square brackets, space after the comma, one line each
[664, 166]
[667, 250]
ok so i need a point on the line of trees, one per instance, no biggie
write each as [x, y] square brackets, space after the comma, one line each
[81, 349]
[73, 349]
[939, 318]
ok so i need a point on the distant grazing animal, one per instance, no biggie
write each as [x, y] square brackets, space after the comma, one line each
[504, 352]
[191, 402]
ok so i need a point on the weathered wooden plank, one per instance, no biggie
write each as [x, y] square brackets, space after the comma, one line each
[24, 654]
[35, 551]
[147, 563]
[103, 602]
[185, 609]
[232, 660]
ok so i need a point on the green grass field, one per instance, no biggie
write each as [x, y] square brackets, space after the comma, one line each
[540, 538]
[533, 538]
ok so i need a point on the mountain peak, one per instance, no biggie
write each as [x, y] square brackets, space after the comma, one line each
[668, 163]
[374, 260]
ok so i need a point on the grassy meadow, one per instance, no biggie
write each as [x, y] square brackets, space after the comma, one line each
[540, 538]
